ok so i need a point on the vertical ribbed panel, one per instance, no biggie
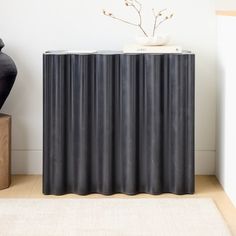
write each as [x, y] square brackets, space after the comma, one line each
[118, 123]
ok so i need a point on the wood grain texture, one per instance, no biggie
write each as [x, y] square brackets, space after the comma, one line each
[5, 151]
[226, 13]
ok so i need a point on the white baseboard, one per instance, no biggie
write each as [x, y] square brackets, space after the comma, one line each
[30, 162]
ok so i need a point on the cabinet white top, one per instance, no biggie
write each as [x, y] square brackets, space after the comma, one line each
[105, 52]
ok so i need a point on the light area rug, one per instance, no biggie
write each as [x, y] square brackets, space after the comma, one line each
[111, 217]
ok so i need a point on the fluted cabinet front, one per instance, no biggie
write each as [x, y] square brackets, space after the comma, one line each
[118, 123]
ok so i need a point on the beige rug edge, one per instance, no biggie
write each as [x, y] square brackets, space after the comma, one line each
[113, 217]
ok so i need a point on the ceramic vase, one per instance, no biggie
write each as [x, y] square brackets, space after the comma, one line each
[8, 74]
[159, 40]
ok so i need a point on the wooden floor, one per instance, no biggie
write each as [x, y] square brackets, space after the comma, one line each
[206, 186]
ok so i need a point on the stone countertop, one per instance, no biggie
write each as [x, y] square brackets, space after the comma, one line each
[103, 52]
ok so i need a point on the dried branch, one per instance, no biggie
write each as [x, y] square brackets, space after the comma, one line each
[156, 16]
[116, 18]
[137, 8]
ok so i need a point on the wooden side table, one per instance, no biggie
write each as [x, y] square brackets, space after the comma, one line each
[5, 151]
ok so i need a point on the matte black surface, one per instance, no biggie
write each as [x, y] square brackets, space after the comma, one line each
[8, 74]
[118, 123]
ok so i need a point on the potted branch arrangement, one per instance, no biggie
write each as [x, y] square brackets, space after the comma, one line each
[153, 39]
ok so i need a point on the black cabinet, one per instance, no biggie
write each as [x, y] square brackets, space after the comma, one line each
[118, 123]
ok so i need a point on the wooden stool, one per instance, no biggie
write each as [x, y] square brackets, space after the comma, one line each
[5, 151]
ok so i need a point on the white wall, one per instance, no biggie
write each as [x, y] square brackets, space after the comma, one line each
[226, 105]
[225, 4]
[30, 27]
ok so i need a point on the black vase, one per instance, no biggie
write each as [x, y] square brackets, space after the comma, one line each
[8, 74]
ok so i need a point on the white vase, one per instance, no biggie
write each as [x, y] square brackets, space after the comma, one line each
[159, 40]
